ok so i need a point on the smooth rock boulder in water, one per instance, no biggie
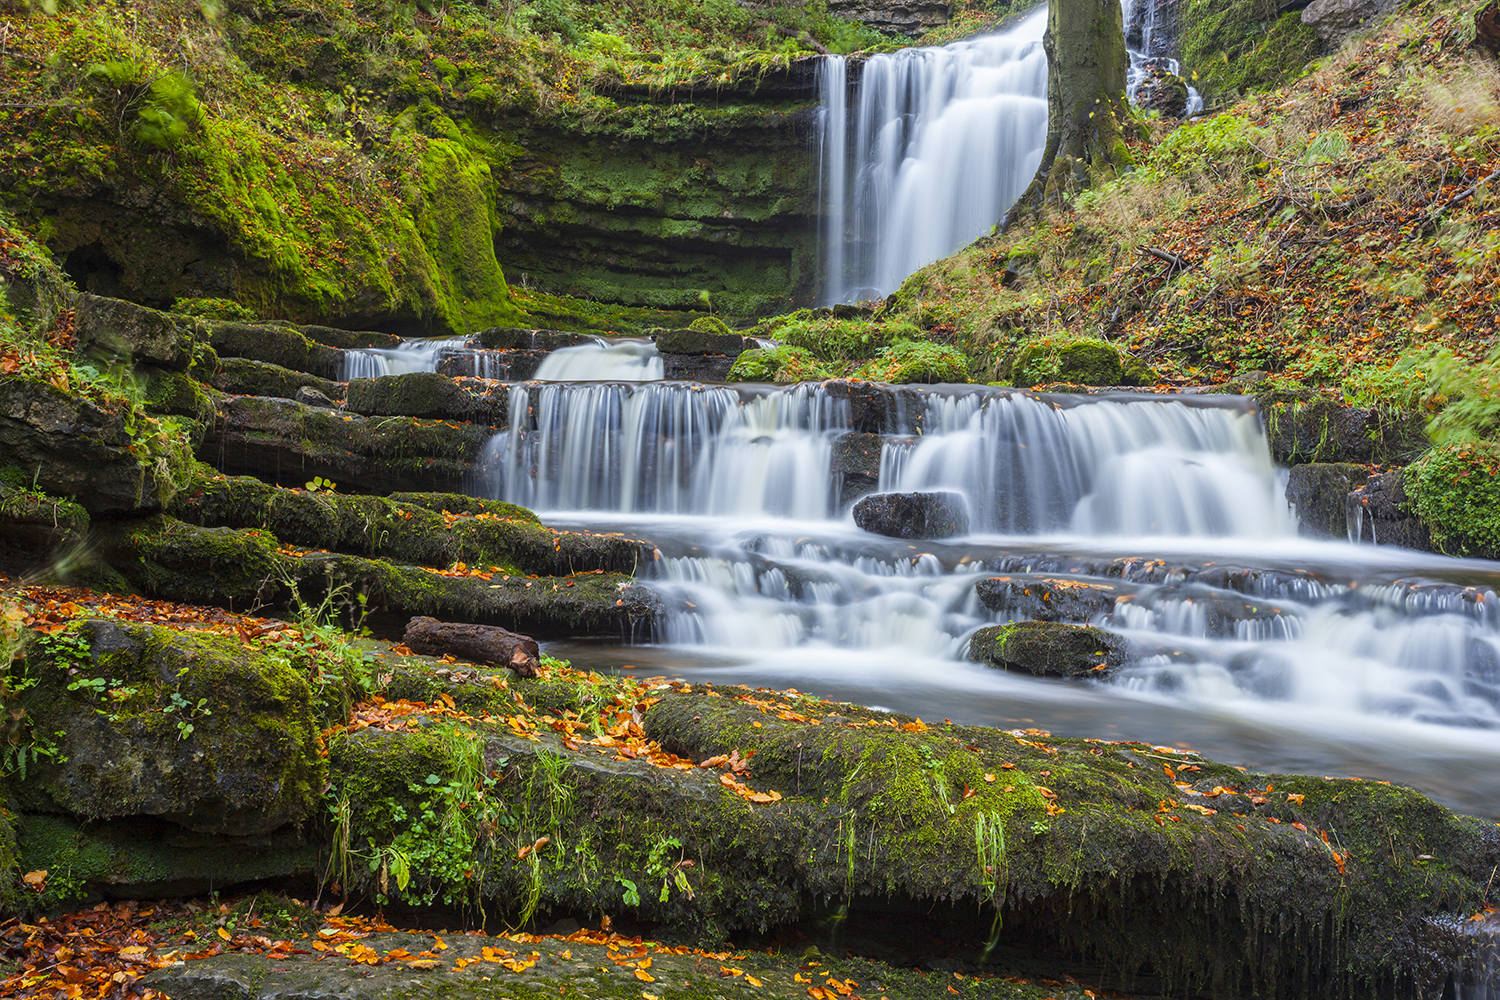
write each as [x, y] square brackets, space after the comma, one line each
[1319, 491]
[1048, 649]
[479, 643]
[913, 515]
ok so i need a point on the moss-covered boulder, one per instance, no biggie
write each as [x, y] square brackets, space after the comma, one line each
[1089, 362]
[97, 452]
[149, 722]
[1307, 426]
[1048, 649]
[246, 377]
[118, 331]
[1454, 491]
[175, 394]
[285, 441]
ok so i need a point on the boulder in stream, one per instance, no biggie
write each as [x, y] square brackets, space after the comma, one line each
[913, 515]
[1048, 649]
[1320, 492]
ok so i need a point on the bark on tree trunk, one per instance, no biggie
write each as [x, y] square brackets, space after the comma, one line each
[1087, 112]
[477, 643]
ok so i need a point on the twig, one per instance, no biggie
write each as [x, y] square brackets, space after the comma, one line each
[1429, 227]
[1175, 262]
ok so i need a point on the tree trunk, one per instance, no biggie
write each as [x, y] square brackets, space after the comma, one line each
[1087, 112]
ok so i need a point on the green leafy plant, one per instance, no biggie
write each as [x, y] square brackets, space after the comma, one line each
[320, 485]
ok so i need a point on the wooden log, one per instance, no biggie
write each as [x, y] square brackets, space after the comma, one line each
[478, 643]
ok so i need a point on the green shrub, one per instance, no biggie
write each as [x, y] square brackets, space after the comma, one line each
[1468, 393]
[1222, 141]
[783, 364]
[1456, 493]
[916, 361]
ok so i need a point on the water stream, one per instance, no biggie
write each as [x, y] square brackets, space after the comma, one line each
[1164, 517]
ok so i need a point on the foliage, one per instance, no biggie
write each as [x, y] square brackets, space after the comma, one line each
[210, 308]
[783, 363]
[916, 361]
[1456, 493]
[1468, 393]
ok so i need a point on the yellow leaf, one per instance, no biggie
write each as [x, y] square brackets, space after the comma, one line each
[224, 934]
[422, 963]
[751, 980]
[644, 976]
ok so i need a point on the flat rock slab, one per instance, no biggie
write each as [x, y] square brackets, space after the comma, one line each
[556, 967]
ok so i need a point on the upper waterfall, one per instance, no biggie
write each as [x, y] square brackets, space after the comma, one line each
[933, 147]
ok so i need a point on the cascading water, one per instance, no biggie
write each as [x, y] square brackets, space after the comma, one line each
[410, 356]
[1167, 515]
[621, 360]
[936, 145]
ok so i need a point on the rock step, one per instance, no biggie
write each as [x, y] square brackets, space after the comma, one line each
[409, 528]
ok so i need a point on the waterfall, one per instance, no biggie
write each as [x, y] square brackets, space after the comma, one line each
[620, 360]
[409, 356]
[938, 143]
[1027, 465]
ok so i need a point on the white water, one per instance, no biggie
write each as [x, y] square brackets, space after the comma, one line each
[936, 145]
[409, 356]
[621, 360]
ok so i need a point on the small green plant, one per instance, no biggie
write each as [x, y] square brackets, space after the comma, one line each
[632, 891]
[658, 866]
[320, 485]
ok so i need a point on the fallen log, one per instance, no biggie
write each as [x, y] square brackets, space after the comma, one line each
[479, 643]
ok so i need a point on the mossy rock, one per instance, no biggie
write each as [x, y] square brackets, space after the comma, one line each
[425, 394]
[1049, 649]
[285, 441]
[911, 361]
[12, 899]
[145, 859]
[462, 503]
[246, 377]
[1068, 840]
[1090, 362]
[1319, 492]
[35, 526]
[1243, 46]
[711, 324]
[1455, 490]
[408, 528]
[168, 558]
[70, 446]
[118, 331]
[176, 394]
[279, 345]
[698, 342]
[151, 722]
[590, 604]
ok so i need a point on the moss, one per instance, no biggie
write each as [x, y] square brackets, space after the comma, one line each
[154, 722]
[1090, 362]
[176, 394]
[778, 364]
[244, 377]
[278, 345]
[1243, 46]
[459, 503]
[710, 324]
[910, 361]
[168, 558]
[86, 860]
[1456, 493]
[1047, 649]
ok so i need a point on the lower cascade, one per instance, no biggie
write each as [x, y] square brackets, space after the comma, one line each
[1159, 520]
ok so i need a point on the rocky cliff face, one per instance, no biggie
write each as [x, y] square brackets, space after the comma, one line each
[901, 17]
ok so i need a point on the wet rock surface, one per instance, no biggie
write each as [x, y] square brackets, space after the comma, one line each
[913, 515]
[1380, 512]
[1320, 493]
[698, 342]
[1048, 599]
[430, 395]
[1049, 649]
[697, 367]
[245, 377]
